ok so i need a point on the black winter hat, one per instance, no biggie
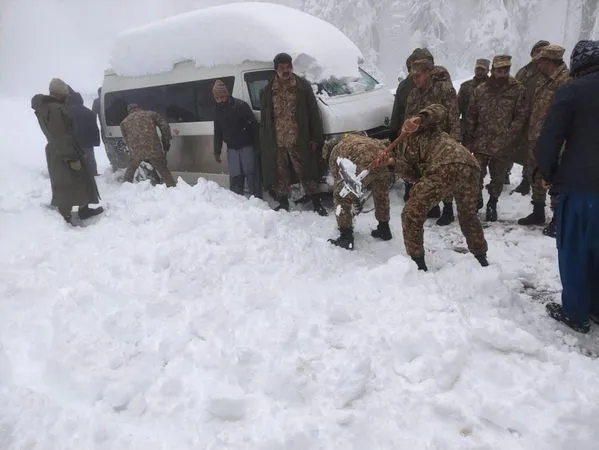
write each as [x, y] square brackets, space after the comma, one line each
[282, 58]
[584, 55]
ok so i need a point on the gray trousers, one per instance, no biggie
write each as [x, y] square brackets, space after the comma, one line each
[244, 164]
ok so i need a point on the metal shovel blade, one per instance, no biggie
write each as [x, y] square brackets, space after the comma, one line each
[351, 182]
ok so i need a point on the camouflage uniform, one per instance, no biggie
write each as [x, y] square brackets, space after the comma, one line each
[467, 91]
[139, 133]
[442, 167]
[540, 108]
[362, 151]
[493, 123]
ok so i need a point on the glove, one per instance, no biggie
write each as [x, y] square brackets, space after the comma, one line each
[75, 164]
[166, 145]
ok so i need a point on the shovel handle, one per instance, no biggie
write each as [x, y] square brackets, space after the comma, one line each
[385, 155]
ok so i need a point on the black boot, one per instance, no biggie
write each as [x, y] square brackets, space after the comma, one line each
[537, 217]
[317, 204]
[419, 260]
[434, 213]
[283, 204]
[85, 212]
[556, 312]
[345, 240]
[382, 232]
[524, 187]
[447, 217]
[406, 193]
[549, 230]
[492, 209]
[482, 259]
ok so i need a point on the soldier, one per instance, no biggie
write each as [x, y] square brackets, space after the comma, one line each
[531, 78]
[235, 124]
[441, 167]
[362, 151]
[549, 61]
[493, 123]
[481, 74]
[139, 133]
[72, 183]
[290, 134]
[401, 99]
[433, 85]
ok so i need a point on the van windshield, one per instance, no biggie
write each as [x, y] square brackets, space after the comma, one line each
[333, 87]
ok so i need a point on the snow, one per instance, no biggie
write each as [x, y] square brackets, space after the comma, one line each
[190, 318]
[234, 33]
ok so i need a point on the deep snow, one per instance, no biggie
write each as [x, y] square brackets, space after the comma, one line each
[190, 318]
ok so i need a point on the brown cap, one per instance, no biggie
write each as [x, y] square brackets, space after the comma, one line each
[58, 88]
[421, 65]
[417, 54]
[540, 44]
[483, 64]
[502, 61]
[552, 52]
[220, 89]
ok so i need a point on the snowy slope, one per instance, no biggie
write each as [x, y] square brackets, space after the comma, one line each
[189, 318]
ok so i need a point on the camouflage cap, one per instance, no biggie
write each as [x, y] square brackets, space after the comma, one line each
[420, 65]
[433, 115]
[502, 61]
[419, 53]
[132, 107]
[483, 64]
[552, 52]
[540, 44]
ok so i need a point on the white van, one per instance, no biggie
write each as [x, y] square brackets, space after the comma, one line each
[180, 88]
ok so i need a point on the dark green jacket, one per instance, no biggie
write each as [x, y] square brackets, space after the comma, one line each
[309, 129]
[399, 106]
[69, 187]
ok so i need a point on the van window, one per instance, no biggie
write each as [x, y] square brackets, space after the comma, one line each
[256, 81]
[179, 103]
[333, 87]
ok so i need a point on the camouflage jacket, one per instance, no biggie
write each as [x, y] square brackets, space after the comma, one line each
[495, 118]
[362, 151]
[542, 100]
[531, 79]
[429, 148]
[465, 95]
[284, 102]
[441, 91]
[139, 133]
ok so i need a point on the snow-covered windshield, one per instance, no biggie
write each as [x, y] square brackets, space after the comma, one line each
[333, 87]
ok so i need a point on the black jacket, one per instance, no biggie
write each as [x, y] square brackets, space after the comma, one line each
[84, 122]
[399, 106]
[573, 120]
[234, 124]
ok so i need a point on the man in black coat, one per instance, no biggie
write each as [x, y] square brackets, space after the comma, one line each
[235, 125]
[568, 159]
[87, 133]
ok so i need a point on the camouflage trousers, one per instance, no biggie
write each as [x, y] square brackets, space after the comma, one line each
[348, 207]
[287, 159]
[159, 165]
[462, 182]
[498, 168]
[539, 193]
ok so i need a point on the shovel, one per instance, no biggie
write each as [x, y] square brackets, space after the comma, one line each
[352, 183]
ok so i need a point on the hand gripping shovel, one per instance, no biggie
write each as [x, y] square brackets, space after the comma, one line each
[352, 183]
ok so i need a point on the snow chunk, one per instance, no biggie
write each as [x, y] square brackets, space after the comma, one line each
[228, 409]
[253, 32]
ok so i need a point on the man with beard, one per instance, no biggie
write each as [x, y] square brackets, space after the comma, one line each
[493, 123]
[235, 124]
[481, 74]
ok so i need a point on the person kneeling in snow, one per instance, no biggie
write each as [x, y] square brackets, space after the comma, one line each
[71, 180]
[441, 168]
[362, 151]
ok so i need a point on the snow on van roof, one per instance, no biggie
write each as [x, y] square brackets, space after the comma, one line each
[234, 33]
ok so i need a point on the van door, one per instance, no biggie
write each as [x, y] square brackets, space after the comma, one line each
[254, 82]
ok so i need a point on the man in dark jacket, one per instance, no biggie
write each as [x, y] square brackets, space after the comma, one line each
[72, 183]
[573, 173]
[86, 129]
[290, 134]
[235, 124]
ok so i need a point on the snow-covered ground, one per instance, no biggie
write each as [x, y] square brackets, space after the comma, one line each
[190, 318]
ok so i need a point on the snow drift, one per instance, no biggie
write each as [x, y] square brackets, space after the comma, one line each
[234, 33]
